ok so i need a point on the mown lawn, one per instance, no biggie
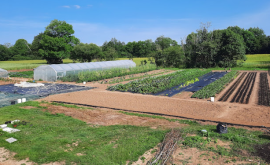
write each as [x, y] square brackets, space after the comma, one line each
[51, 138]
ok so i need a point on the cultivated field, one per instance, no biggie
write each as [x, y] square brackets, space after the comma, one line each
[121, 121]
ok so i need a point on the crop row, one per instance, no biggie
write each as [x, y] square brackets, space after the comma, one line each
[264, 91]
[89, 76]
[215, 87]
[159, 83]
[232, 88]
[243, 93]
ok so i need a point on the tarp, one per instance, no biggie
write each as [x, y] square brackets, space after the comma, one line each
[9, 93]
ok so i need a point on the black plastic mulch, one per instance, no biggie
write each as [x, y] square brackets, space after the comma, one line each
[9, 93]
[203, 81]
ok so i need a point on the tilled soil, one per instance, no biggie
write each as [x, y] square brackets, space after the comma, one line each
[247, 114]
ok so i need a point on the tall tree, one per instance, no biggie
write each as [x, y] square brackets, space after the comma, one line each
[86, 52]
[4, 53]
[21, 48]
[57, 41]
[232, 49]
[36, 45]
[165, 42]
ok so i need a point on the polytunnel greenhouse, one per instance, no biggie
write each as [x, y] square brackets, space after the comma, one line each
[3, 73]
[56, 71]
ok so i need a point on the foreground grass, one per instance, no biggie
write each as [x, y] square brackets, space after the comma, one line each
[240, 139]
[52, 138]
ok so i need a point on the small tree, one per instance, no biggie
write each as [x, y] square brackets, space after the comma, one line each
[57, 42]
[4, 53]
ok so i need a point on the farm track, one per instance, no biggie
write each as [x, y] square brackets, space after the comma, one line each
[232, 88]
[243, 93]
[264, 91]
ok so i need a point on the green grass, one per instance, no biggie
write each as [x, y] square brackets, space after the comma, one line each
[240, 139]
[50, 138]
[25, 74]
[31, 64]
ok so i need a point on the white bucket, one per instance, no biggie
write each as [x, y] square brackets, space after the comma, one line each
[19, 100]
[84, 82]
[212, 99]
[23, 100]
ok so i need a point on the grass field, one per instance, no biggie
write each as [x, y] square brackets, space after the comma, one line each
[57, 138]
[31, 64]
[51, 138]
[255, 61]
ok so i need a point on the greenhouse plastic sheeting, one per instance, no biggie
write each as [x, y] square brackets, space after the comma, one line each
[203, 81]
[9, 93]
[56, 71]
[3, 73]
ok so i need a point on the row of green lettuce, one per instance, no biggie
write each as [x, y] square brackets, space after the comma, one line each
[157, 84]
[215, 87]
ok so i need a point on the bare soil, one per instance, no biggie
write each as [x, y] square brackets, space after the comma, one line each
[248, 114]
[106, 117]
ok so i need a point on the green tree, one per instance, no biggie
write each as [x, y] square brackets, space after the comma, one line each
[21, 48]
[165, 42]
[4, 53]
[110, 54]
[57, 41]
[117, 45]
[86, 52]
[232, 49]
[36, 45]
[174, 56]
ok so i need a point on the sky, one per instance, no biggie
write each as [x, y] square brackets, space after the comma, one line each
[128, 20]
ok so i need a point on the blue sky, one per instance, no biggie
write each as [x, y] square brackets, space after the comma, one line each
[128, 20]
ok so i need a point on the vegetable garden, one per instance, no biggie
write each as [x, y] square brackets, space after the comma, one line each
[156, 84]
[215, 87]
[264, 92]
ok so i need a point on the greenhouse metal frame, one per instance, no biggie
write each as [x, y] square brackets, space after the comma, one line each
[3, 73]
[56, 71]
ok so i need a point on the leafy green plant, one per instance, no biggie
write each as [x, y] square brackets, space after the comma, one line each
[159, 83]
[215, 87]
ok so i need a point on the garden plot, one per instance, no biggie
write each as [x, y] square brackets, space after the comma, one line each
[9, 94]
[156, 84]
[202, 82]
[241, 90]
[264, 91]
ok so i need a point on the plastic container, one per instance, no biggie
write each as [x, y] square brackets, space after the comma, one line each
[212, 99]
[19, 100]
[23, 100]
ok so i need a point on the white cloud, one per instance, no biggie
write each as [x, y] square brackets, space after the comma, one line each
[77, 6]
[66, 6]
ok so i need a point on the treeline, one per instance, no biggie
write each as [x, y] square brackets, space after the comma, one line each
[202, 48]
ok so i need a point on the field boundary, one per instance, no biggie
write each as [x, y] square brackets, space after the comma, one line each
[162, 114]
